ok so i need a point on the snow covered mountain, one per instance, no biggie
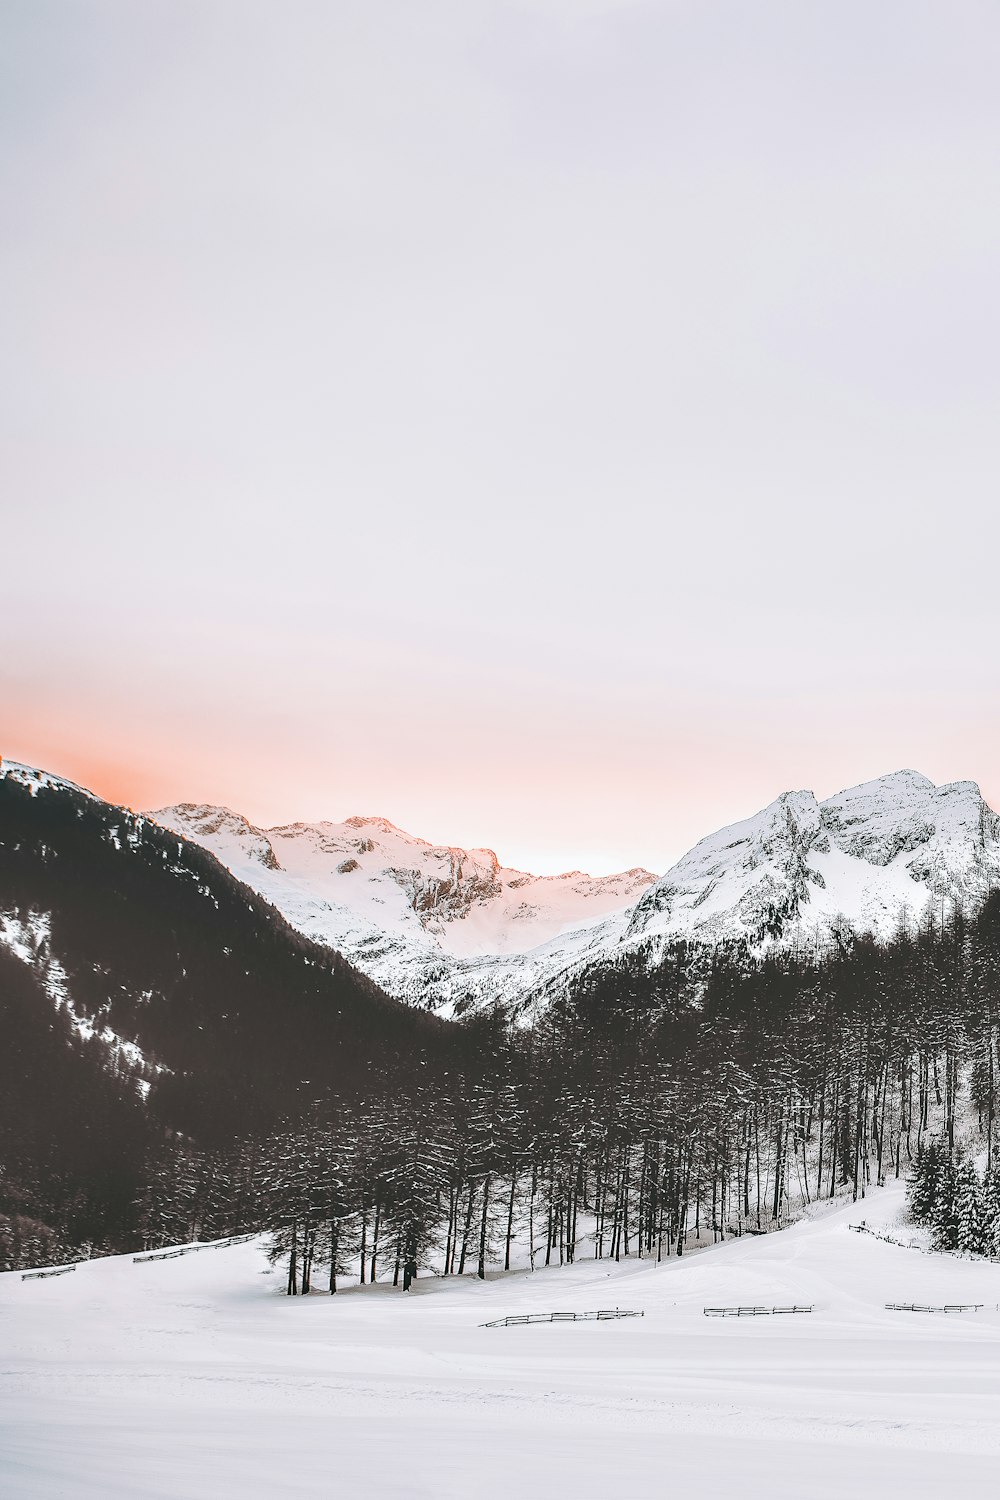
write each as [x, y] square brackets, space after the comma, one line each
[449, 928]
[867, 858]
[435, 925]
[452, 927]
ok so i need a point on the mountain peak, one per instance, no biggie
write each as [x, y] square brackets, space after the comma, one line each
[217, 828]
[34, 778]
[382, 824]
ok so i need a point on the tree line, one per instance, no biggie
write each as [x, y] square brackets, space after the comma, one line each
[650, 1107]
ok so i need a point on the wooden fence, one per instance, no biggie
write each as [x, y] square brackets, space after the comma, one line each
[172, 1254]
[890, 1239]
[600, 1316]
[945, 1307]
[48, 1271]
[755, 1312]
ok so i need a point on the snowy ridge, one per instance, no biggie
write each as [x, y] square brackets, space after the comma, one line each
[448, 927]
[34, 779]
[870, 858]
[430, 923]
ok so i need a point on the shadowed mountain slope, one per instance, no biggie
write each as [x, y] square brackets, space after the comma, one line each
[229, 1015]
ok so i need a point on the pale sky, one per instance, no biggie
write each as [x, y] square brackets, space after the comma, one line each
[555, 426]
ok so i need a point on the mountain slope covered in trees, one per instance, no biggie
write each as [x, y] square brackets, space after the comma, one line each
[234, 1011]
[144, 987]
[74, 1131]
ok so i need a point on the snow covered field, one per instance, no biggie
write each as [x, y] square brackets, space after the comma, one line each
[195, 1378]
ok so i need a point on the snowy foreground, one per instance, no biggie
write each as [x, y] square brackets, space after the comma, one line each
[195, 1378]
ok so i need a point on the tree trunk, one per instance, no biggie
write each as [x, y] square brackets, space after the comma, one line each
[293, 1265]
[467, 1229]
[375, 1229]
[483, 1228]
[510, 1221]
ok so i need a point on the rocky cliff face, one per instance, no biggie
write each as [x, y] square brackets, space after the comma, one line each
[217, 825]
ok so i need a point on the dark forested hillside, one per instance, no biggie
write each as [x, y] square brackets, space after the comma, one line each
[74, 1135]
[239, 1019]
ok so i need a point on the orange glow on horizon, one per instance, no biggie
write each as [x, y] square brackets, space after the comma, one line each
[607, 813]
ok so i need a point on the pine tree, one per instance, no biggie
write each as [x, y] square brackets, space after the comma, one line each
[925, 1182]
[991, 1209]
[972, 1221]
[415, 1177]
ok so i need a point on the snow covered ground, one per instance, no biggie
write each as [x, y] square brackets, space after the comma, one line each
[195, 1378]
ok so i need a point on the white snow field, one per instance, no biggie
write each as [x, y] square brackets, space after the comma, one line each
[194, 1377]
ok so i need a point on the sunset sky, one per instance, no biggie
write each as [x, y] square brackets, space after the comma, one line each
[558, 425]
